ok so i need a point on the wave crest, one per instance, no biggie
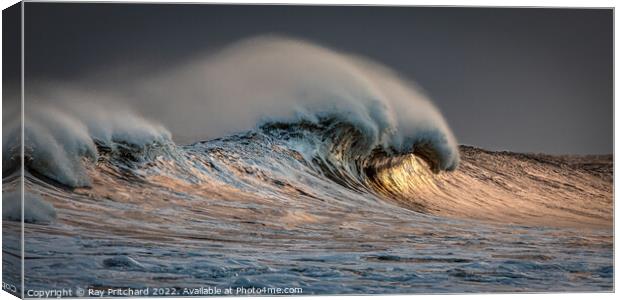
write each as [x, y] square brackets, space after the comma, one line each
[344, 153]
[60, 142]
[360, 105]
[271, 79]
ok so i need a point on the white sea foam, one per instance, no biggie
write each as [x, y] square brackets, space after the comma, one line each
[59, 140]
[271, 78]
[254, 81]
[36, 210]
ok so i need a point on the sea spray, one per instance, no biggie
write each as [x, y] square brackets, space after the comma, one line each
[262, 80]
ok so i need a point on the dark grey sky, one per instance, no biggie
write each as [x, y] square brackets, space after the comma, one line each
[535, 80]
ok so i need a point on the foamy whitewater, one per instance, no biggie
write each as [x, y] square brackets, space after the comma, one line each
[279, 163]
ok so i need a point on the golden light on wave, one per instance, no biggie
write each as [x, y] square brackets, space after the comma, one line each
[407, 181]
[498, 188]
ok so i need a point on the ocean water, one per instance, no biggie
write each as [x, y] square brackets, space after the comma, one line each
[325, 174]
[257, 210]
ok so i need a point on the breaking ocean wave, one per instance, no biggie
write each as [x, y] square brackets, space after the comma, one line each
[348, 180]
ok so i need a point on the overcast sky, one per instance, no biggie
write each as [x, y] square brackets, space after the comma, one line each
[535, 80]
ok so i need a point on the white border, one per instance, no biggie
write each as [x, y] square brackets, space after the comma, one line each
[21, 184]
[509, 3]
[512, 3]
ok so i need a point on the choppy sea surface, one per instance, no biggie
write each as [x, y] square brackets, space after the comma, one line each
[329, 174]
[298, 206]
